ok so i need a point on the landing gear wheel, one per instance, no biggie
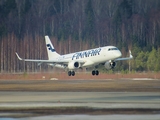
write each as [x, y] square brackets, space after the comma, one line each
[73, 73]
[93, 72]
[97, 72]
[69, 73]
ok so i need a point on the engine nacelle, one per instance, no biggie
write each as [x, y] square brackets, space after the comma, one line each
[110, 65]
[73, 65]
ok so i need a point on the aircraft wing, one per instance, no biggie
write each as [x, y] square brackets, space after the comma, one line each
[32, 60]
[62, 61]
[127, 58]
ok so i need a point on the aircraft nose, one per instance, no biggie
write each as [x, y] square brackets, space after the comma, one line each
[118, 54]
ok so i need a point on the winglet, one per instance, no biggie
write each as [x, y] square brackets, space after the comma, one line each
[127, 58]
[130, 54]
[18, 56]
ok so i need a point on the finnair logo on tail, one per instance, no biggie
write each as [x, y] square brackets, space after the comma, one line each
[50, 48]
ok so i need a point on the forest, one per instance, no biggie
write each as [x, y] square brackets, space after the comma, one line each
[75, 25]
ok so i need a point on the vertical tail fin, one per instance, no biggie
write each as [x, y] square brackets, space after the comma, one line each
[50, 49]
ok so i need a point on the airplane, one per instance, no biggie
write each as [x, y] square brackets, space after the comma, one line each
[108, 56]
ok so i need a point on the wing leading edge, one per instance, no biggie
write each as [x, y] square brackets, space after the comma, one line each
[33, 60]
[55, 61]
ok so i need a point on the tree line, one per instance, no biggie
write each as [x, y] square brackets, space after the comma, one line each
[75, 25]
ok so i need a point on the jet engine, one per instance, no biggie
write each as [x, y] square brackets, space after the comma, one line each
[73, 65]
[110, 65]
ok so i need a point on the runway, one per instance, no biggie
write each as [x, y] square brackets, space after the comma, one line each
[80, 97]
[87, 105]
[94, 100]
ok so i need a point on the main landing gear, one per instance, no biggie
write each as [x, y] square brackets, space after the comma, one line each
[95, 72]
[71, 73]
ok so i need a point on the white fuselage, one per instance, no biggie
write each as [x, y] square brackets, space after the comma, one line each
[92, 56]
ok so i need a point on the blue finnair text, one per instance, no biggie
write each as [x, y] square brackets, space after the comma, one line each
[88, 53]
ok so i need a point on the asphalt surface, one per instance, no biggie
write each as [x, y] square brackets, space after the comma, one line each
[126, 97]
[80, 99]
[108, 85]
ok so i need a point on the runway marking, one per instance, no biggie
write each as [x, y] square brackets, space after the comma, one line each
[143, 79]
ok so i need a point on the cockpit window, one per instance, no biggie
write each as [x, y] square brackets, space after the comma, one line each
[112, 49]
